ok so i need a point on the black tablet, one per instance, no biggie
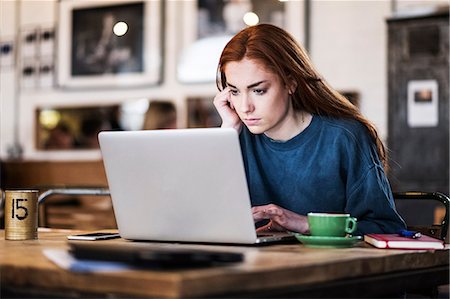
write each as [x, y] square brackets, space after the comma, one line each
[143, 256]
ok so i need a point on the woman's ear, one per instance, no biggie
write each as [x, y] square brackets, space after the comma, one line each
[292, 85]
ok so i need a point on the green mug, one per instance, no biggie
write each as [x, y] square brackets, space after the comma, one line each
[331, 224]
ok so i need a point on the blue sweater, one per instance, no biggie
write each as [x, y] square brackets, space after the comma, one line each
[332, 166]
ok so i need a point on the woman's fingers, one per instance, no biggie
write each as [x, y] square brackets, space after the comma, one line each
[265, 212]
[222, 99]
[280, 219]
[225, 108]
[259, 215]
[272, 226]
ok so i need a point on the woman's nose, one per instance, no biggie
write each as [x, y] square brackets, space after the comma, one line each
[246, 104]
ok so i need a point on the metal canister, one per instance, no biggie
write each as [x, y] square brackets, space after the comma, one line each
[21, 214]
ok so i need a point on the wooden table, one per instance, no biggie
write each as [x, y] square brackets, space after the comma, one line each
[270, 271]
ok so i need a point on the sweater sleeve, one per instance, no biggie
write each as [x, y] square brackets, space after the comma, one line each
[371, 202]
[369, 196]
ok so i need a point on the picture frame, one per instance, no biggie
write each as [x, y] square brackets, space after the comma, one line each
[7, 49]
[29, 38]
[225, 17]
[422, 103]
[201, 113]
[107, 43]
[207, 27]
[74, 127]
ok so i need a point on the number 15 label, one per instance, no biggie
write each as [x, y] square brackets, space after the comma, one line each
[18, 210]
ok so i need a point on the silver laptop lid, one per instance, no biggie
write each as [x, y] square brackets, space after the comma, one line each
[184, 185]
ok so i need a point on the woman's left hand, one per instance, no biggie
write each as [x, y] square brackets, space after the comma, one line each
[280, 219]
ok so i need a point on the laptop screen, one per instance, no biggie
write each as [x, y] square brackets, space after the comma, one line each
[178, 185]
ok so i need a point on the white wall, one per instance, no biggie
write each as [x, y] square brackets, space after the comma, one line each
[30, 100]
[179, 31]
[7, 79]
[348, 46]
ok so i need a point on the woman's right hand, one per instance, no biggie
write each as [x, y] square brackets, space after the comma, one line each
[224, 107]
[280, 219]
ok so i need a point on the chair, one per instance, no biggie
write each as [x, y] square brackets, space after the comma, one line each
[73, 193]
[420, 209]
[428, 213]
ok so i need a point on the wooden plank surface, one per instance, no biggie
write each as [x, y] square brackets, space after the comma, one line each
[41, 174]
[23, 264]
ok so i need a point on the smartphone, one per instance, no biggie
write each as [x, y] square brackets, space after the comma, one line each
[94, 236]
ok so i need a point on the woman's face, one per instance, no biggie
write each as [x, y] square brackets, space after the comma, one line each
[260, 99]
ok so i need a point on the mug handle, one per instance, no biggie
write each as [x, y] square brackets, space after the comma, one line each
[350, 225]
[2, 199]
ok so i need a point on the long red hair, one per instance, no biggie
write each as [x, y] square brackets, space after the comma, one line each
[279, 52]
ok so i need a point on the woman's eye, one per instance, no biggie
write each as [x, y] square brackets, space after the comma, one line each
[234, 92]
[259, 91]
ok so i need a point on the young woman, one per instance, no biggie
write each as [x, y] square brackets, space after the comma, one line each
[305, 147]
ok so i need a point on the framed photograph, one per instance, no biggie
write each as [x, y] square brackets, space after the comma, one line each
[46, 41]
[74, 128]
[29, 74]
[224, 17]
[29, 39]
[423, 103]
[353, 96]
[202, 113]
[208, 25]
[107, 43]
[46, 71]
[6, 53]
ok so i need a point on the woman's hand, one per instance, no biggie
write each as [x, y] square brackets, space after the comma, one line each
[230, 118]
[280, 219]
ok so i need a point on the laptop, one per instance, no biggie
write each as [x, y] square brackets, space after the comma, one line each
[180, 185]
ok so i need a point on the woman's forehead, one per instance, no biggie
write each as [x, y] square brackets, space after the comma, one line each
[246, 63]
[248, 71]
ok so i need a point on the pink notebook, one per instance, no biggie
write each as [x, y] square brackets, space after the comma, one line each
[398, 242]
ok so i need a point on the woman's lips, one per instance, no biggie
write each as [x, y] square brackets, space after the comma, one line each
[252, 121]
